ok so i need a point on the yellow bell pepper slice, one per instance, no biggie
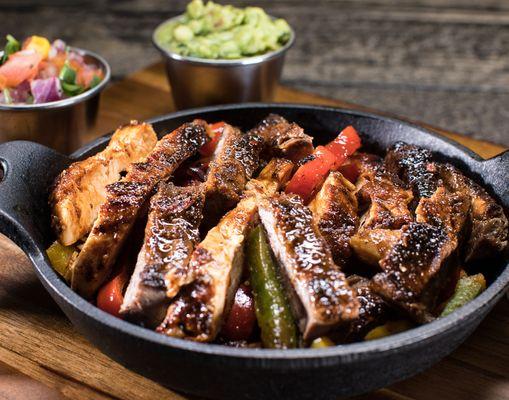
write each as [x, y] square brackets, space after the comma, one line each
[38, 43]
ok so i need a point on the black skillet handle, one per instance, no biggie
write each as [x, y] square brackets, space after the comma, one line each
[28, 171]
[496, 171]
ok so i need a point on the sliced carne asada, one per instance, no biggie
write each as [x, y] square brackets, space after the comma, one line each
[335, 213]
[198, 312]
[162, 267]
[283, 139]
[386, 199]
[321, 298]
[234, 162]
[416, 270]
[488, 224]
[387, 204]
[80, 190]
[446, 210]
[373, 310]
[414, 166]
[124, 201]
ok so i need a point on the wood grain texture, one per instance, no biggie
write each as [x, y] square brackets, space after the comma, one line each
[37, 339]
[441, 61]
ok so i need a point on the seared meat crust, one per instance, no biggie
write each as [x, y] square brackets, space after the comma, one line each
[125, 200]
[414, 166]
[415, 269]
[162, 267]
[335, 213]
[488, 224]
[79, 190]
[387, 203]
[199, 310]
[235, 160]
[373, 310]
[321, 297]
[283, 139]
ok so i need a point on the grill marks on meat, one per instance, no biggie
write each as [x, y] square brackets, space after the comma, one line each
[124, 202]
[162, 267]
[488, 226]
[235, 160]
[414, 166]
[80, 189]
[198, 311]
[321, 297]
[335, 213]
[387, 200]
[387, 204]
[415, 270]
[283, 139]
[373, 310]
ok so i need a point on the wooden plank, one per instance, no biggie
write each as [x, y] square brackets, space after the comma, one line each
[38, 340]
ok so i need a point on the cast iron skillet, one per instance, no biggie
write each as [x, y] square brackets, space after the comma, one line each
[220, 372]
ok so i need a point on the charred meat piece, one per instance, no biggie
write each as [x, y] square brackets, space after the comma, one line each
[488, 223]
[416, 270]
[414, 166]
[162, 267]
[373, 310]
[387, 204]
[79, 191]
[386, 200]
[445, 210]
[283, 139]
[234, 162]
[124, 201]
[335, 213]
[320, 295]
[371, 245]
[198, 312]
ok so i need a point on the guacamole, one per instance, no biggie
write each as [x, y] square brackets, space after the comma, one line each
[213, 31]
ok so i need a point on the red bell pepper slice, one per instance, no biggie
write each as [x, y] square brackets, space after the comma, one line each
[242, 317]
[312, 174]
[215, 131]
[111, 296]
[347, 142]
[326, 158]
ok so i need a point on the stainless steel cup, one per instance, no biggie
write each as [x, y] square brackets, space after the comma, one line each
[197, 82]
[58, 124]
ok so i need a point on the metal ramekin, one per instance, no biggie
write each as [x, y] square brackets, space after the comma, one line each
[197, 82]
[58, 124]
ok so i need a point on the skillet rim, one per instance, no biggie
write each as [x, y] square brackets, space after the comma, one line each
[286, 358]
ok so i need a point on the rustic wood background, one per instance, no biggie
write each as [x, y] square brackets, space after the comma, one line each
[445, 62]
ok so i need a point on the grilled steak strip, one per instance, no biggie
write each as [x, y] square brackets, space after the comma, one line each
[373, 310]
[80, 189]
[283, 139]
[387, 203]
[488, 224]
[414, 166]
[199, 310]
[416, 269]
[162, 267]
[321, 297]
[335, 213]
[234, 162]
[124, 201]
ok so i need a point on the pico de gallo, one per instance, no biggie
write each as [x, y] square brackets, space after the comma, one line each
[36, 71]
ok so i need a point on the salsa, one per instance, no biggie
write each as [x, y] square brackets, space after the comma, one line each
[213, 31]
[38, 71]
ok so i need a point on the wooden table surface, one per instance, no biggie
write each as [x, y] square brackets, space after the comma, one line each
[441, 61]
[37, 340]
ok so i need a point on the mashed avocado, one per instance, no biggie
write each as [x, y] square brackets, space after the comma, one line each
[214, 31]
